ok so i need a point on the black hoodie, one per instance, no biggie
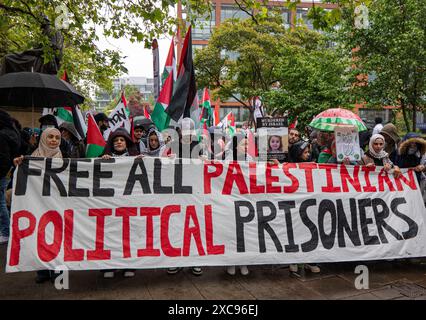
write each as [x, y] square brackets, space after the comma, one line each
[10, 142]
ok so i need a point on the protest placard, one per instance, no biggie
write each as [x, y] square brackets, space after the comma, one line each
[347, 143]
[273, 138]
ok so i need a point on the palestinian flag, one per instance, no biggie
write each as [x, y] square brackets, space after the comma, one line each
[64, 115]
[146, 113]
[159, 116]
[293, 125]
[95, 141]
[251, 151]
[170, 64]
[216, 115]
[185, 89]
[72, 114]
[228, 124]
[206, 115]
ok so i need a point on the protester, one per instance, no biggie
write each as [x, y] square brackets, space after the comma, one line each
[102, 121]
[300, 152]
[10, 142]
[138, 133]
[410, 155]
[392, 139]
[48, 121]
[364, 139]
[239, 152]
[315, 147]
[379, 126]
[376, 154]
[75, 147]
[325, 140]
[293, 137]
[119, 144]
[48, 147]
[187, 148]
[155, 144]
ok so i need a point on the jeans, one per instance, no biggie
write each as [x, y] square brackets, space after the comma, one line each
[4, 213]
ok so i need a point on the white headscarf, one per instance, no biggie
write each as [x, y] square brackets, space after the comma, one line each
[43, 149]
[382, 154]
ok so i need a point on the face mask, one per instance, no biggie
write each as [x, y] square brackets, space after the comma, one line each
[412, 150]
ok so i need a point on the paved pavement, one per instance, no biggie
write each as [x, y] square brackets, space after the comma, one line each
[396, 280]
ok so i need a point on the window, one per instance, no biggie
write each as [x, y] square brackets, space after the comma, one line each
[241, 114]
[286, 18]
[231, 55]
[302, 18]
[204, 25]
[228, 12]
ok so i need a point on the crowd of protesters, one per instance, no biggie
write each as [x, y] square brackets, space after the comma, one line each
[381, 147]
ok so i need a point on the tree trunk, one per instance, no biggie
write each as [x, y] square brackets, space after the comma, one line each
[414, 117]
[404, 113]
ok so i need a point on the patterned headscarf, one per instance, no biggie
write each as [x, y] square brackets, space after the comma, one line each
[382, 154]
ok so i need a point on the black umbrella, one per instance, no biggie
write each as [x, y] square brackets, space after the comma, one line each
[32, 89]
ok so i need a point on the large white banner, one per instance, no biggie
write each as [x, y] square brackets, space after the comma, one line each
[157, 213]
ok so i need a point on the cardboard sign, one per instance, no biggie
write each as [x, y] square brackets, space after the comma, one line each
[347, 143]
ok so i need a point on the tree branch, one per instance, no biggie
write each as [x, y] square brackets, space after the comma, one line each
[17, 10]
[246, 11]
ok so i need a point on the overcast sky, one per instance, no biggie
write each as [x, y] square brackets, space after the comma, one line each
[138, 60]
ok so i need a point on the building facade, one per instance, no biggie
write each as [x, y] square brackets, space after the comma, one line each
[225, 9]
[143, 84]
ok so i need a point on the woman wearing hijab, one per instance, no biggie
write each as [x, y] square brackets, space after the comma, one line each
[48, 147]
[376, 154]
[155, 144]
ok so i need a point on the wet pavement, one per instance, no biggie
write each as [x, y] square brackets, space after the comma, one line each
[388, 280]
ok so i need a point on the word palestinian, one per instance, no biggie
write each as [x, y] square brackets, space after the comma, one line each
[234, 174]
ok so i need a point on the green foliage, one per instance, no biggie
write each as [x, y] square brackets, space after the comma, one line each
[239, 58]
[392, 51]
[87, 65]
[294, 71]
[313, 78]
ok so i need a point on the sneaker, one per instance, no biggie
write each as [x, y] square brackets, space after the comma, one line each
[173, 270]
[231, 270]
[244, 270]
[4, 240]
[129, 274]
[197, 271]
[293, 268]
[109, 275]
[313, 268]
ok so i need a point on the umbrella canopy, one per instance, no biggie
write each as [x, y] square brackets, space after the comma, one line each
[32, 89]
[331, 118]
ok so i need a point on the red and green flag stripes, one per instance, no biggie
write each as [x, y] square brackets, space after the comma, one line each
[95, 141]
[206, 114]
[159, 115]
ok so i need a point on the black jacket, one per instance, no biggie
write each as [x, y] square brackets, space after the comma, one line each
[10, 144]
